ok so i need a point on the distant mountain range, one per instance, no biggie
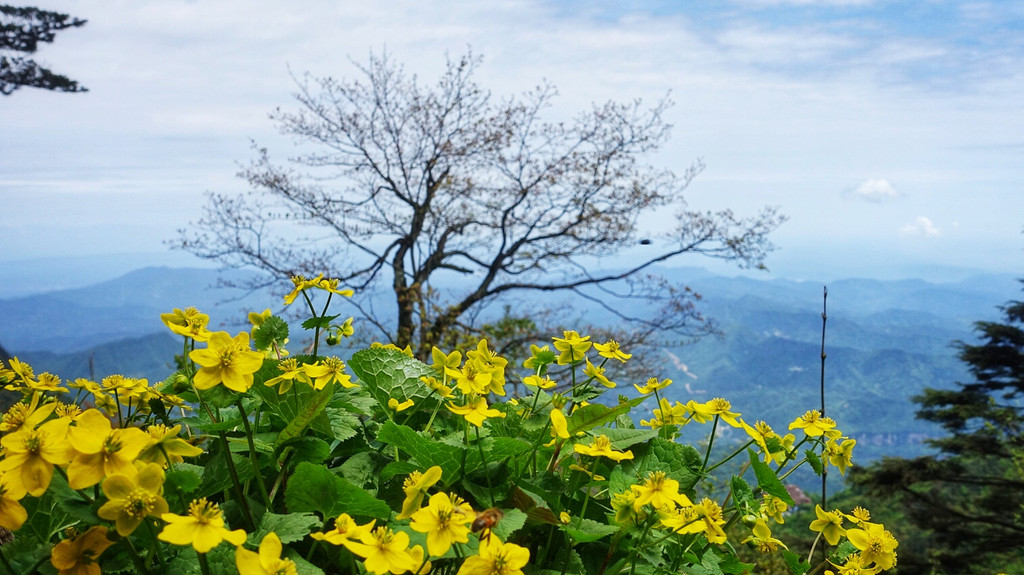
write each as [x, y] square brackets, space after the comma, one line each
[885, 340]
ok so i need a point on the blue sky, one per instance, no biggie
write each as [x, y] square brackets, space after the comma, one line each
[891, 133]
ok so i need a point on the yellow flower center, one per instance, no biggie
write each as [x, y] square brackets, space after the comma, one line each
[203, 511]
[139, 503]
[14, 417]
[113, 442]
[33, 443]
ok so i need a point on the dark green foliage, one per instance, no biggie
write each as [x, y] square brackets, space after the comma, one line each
[967, 501]
[21, 30]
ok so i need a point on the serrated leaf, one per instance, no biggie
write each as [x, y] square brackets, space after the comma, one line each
[812, 458]
[313, 406]
[584, 530]
[273, 329]
[425, 451]
[303, 567]
[767, 480]
[361, 468]
[314, 488]
[743, 494]
[216, 482]
[512, 520]
[795, 563]
[387, 373]
[289, 528]
[322, 322]
[335, 422]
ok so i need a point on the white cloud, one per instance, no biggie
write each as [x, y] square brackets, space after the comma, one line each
[920, 227]
[874, 190]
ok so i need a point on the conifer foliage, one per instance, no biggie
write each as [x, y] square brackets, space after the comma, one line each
[970, 497]
[22, 30]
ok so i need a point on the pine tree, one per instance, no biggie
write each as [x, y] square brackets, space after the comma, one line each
[22, 30]
[969, 498]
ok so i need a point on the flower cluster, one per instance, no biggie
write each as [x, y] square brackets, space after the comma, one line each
[255, 459]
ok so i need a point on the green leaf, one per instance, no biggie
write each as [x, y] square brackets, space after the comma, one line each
[315, 488]
[322, 322]
[397, 468]
[311, 449]
[595, 414]
[623, 439]
[273, 329]
[183, 476]
[812, 458]
[512, 520]
[303, 567]
[335, 422]
[743, 495]
[584, 530]
[387, 373]
[767, 480]
[217, 482]
[795, 563]
[424, 450]
[361, 468]
[289, 528]
[313, 406]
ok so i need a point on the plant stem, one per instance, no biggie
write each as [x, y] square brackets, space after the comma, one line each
[711, 441]
[483, 459]
[204, 565]
[252, 454]
[243, 501]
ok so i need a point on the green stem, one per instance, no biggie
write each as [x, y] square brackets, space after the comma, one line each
[243, 501]
[483, 459]
[711, 441]
[741, 449]
[156, 543]
[252, 454]
[204, 565]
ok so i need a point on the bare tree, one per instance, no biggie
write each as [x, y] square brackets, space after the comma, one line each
[457, 198]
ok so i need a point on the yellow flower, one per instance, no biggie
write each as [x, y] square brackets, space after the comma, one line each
[610, 349]
[301, 284]
[435, 385]
[395, 405]
[559, 425]
[829, 524]
[572, 348]
[594, 372]
[699, 412]
[602, 447]
[26, 415]
[293, 372]
[668, 414]
[444, 521]
[165, 447]
[859, 515]
[711, 514]
[131, 498]
[47, 382]
[489, 362]
[539, 382]
[625, 512]
[496, 558]
[813, 423]
[226, 360]
[328, 370]
[721, 407]
[189, 323]
[415, 487]
[840, 454]
[345, 531]
[761, 538]
[384, 550]
[331, 285]
[101, 450]
[876, 545]
[203, 527]
[470, 379]
[79, 556]
[652, 385]
[475, 411]
[443, 361]
[30, 454]
[12, 514]
[267, 562]
[660, 491]
[772, 506]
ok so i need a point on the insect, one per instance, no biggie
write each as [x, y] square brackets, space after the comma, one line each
[485, 522]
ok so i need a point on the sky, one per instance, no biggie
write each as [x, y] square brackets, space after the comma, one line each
[891, 133]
